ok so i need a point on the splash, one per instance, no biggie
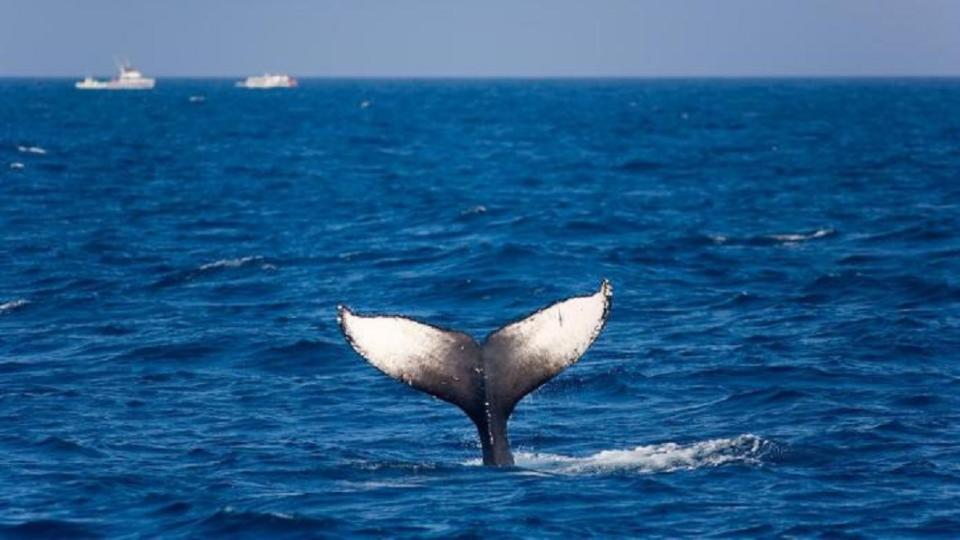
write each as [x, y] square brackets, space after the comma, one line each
[657, 458]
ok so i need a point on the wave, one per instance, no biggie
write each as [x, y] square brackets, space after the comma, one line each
[801, 237]
[656, 458]
[66, 447]
[771, 239]
[13, 304]
[231, 521]
[32, 150]
[183, 276]
[231, 263]
[479, 209]
[172, 351]
[17, 165]
[49, 528]
[639, 165]
[296, 357]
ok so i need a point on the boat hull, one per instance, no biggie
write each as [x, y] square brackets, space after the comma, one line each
[113, 85]
[267, 82]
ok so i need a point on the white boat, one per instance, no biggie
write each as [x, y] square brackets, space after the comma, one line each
[129, 78]
[268, 80]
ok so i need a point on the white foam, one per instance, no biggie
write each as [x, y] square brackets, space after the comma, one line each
[13, 304]
[655, 458]
[229, 510]
[718, 238]
[375, 485]
[197, 99]
[230, 263]
[819, 233]
[32, 150]
[480, 209]
[17, 165]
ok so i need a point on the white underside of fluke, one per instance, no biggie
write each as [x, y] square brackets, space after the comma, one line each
[400, 347]
[487, 380]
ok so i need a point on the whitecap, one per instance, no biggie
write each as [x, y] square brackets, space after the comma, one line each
[32, 150]
[718, 238]
[797, 237]
[364, 104]
[479, 209]
[231, 263]
[655, 458]
[13, 304]
[17, 165]
[229, 510]
[197, 99]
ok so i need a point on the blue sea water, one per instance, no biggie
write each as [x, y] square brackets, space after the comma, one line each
[781, 359]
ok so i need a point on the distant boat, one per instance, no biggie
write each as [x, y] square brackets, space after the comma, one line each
[128, 78]
[268, 80]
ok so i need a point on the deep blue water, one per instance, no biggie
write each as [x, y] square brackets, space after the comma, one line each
[781, 358]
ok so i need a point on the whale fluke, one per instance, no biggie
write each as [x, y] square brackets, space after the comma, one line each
[486, 381]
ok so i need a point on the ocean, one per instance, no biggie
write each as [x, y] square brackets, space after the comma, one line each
[781, 358]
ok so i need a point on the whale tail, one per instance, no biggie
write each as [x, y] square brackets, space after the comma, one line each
[485, 380]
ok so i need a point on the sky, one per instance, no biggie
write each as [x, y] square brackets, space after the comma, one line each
[483, 38]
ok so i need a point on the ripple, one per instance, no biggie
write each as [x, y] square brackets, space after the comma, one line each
[230, 521]
[639, 166]
[301, 356]
[50, 528]
[208, 269]
[230, 263]
[64, 446]
[781, 239]
[792, 238]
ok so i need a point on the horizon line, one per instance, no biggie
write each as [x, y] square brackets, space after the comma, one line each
[523, 77]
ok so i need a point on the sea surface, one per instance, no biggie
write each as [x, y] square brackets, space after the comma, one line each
[782, 358]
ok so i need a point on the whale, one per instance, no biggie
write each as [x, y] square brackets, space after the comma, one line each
[484, 379]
